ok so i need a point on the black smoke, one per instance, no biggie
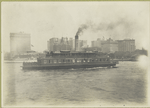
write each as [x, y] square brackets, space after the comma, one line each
[81, 29]
[118, 28]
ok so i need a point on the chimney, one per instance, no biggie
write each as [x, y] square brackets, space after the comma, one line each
[76, 42]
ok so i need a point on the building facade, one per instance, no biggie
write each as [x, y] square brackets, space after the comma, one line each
[71, 43]
[56, 44]
[19, 43]
[93, 43]
[109, 46]
[53, 44]
[97, 43]
[82, 44]
[126, 45]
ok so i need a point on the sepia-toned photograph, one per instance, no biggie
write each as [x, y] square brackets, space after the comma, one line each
[75, 54]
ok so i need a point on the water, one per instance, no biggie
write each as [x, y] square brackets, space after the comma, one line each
[122, 86]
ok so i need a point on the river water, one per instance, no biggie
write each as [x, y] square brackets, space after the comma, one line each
[122, 86]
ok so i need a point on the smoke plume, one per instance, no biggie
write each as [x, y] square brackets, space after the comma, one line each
[81, 29]
[119, 29]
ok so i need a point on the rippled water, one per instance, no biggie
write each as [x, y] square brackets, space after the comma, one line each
[122, 86]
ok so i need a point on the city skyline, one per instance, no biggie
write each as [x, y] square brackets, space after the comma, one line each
[25, 43]
[44, 21]
[102, 45]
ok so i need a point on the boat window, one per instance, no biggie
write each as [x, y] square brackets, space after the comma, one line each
[59, 61]
[84, 60]
[50, 61]
[78, 60]
[63, 61]
[68, 60]
[73, 60]
[92, 60]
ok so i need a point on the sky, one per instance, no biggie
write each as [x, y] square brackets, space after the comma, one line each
[45, 20]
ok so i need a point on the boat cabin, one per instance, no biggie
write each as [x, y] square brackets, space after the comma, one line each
[71, 60]
[76, 54]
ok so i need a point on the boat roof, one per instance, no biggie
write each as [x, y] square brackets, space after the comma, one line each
[52, 58]
[75, 52]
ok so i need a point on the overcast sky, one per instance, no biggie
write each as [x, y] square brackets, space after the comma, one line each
[44, 20]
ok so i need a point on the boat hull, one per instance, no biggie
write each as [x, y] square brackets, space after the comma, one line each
[74, 66]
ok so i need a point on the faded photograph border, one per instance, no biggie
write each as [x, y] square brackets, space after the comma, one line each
[1, 101]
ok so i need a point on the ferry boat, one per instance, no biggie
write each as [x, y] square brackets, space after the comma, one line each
[69, 60]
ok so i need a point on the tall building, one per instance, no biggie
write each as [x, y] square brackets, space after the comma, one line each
[71, 43]
[109, 46]
[64, 44]
[97, 43]
[55, 44]
[19, 43]
[126, 45]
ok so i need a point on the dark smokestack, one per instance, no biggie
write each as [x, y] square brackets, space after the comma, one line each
[76, 42]
[76, 37]
[80, 30]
